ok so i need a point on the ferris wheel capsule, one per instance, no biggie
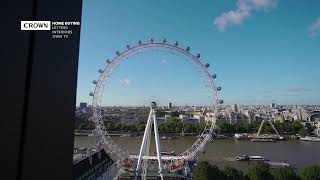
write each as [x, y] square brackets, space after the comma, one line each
[139, 42]
[221, 101]
[214, 76]
[95, 82]
[164, 40]
[207, 65]
[117, 53]
[188, 48]
[100, 71]
[198, 56]
[176, 43]
[219, 88]
[91, 94]
[108, 61]
[128, 46]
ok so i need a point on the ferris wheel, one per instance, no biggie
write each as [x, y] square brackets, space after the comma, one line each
[140, 163]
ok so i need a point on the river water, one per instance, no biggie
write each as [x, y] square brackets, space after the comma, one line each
[222, 152]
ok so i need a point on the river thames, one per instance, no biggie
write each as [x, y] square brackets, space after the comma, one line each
[222, 152]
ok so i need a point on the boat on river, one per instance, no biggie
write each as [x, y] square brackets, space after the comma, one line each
[310, 138]
[276, 164]
[249, 158]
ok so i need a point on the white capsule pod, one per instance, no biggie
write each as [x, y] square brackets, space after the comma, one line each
[151, 40]
[164, 40]
[221, 101]
[188, 48]
[214, 76]
[128, 46]
[198, 56]
[117, 53]
[139, 42]
[207, 65]
[176, 43]
[108, 61]
[95, 82]
[91, 94]
[100, 71]
[219, 88]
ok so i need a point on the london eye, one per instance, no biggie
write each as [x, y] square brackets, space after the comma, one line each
[143, 162]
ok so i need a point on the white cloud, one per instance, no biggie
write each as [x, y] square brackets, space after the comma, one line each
[243, 11]
[314, 29]
[125, 81]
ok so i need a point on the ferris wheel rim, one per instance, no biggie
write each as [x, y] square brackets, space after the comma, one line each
[201, 141]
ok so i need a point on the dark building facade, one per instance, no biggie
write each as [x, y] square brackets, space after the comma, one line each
[97, 166]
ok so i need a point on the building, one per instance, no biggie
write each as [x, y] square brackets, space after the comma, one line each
[98, 165]
[169, 105]
[273, 105]
[235, 108]
[83, 106]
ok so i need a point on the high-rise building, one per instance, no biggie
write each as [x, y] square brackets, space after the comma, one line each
[83, 105]
[235, 108]
[170, 105]
[273, 105]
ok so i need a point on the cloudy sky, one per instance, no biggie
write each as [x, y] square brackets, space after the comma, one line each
[262, 50]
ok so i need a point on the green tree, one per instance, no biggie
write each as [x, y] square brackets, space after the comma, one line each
[141, 127]
[205, 171]
[296, 126]
[233, 174]
[216, 173]
[285, 173]
[311, 173]
[303, 132]
[259, 171]
[202, 171]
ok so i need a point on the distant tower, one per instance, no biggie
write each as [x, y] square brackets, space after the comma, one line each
[235, 108]
[273, 105]
[170, 105]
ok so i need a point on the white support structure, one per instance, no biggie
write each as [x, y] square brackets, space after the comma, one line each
[260, 128]
[156, 135]
[144, 149]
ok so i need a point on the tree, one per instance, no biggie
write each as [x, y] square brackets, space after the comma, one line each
[296, 126]
[259, 171]
[233, 174]
[311, 173]
[216, 173]
[202, 171]
[285, 173]
[303, 132]
[205, 171]
[141, 127]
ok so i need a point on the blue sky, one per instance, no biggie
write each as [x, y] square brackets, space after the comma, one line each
[262, 50]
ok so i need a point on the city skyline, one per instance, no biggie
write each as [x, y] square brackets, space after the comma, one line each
[263, 51]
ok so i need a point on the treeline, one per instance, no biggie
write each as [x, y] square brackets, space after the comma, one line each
[289, 128]
[175, 126]
[259, 171]
[171, 126]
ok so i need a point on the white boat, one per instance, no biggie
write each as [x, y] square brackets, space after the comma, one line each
[310, 138]
[241, 136]
[125, 135]
[278, 164]
[249, 158]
